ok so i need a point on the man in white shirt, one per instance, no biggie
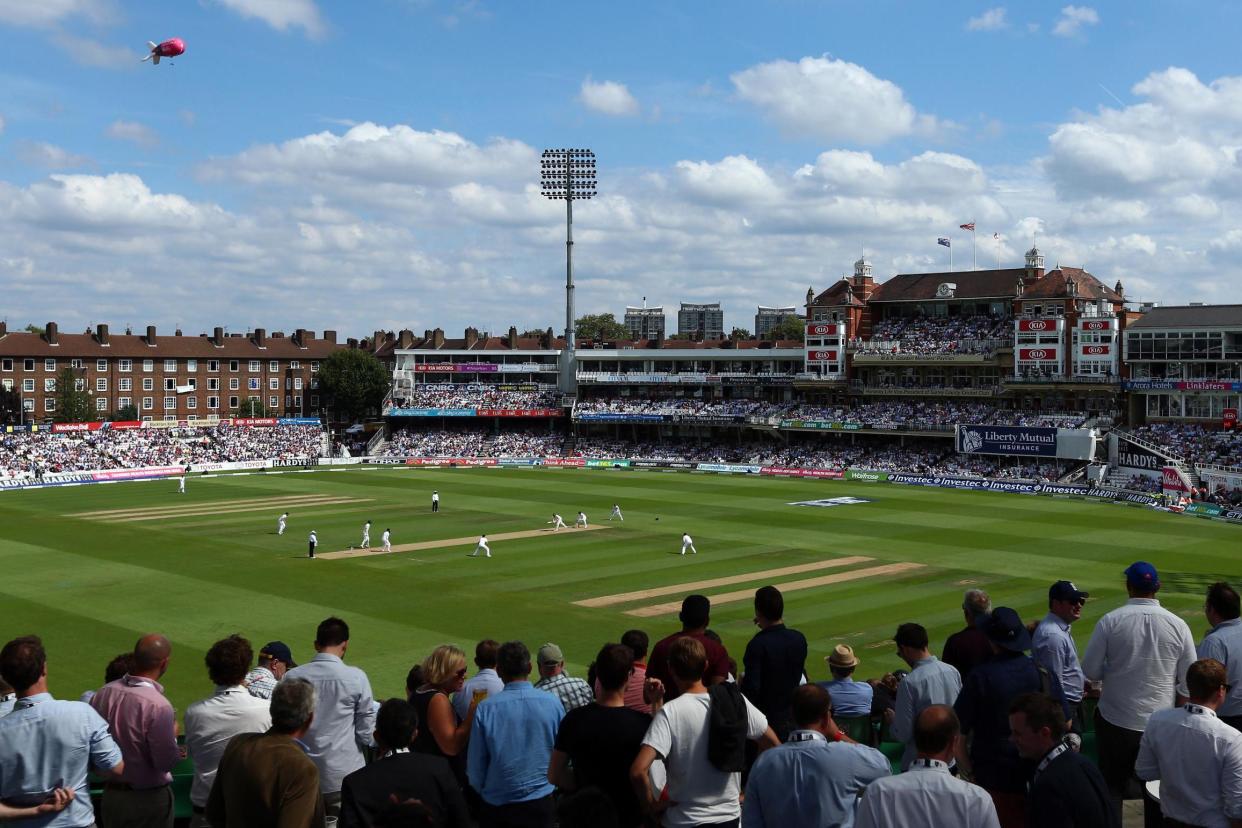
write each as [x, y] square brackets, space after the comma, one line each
[311, 542]
[930, 681]
[280, 523]
[699, 793]
[386, 539]
[344, 718]
[581, 522]
[211, 722]
[1196, 756]
[927, 796]
[687, 542]
[1141, 652]
[435, 501]
[1224, 643]
[366, 536]
[558, 523]
[616, 513]
[481, 546]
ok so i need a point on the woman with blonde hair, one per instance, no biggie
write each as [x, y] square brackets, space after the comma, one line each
[439, 731]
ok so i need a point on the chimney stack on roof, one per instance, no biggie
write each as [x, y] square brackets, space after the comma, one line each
[407, 338]
[150, 336]
[101, 334]
[472, 337]
[51, 334]
[437, 338]
[177, 332]
[329, 336]
[351, 342]
[512, 337]
[217, 337]
[4, 328]
[260, 337]
[299, 337]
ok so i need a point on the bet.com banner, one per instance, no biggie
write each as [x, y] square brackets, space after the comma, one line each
[1019, 440]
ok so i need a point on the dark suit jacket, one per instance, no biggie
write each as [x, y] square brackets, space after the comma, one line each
[429, 779]
[265, 780]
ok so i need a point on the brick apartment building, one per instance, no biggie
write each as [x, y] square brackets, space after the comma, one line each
[205, 377]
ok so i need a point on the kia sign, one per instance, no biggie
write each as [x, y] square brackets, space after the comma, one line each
[1097, 324]
[1036, 325]
[1096, 350]
[823, 356]
[821, 329]
[1037, 354]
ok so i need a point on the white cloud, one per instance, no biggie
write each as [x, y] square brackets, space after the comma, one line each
[735, 180]
[281, 15]
[1072, 20]
[43, 13]
[49, 156]
[608, 97]
[133, 132]
[89, 52]
[832, 100]
[990, 21]
[1, 124]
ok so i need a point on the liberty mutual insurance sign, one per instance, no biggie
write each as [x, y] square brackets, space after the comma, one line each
[1021, 440]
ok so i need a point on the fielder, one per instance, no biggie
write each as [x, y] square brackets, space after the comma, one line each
[616, 513]
[280, 523]
[482, 544]
[581, 522]
[314, 541]
[366, 535]
[181, 484]
[558, 523]
[435, 501]
[387, 539]
[687, 542]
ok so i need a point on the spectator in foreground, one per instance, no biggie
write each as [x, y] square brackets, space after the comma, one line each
[67, 737]
[1068, 790]
[968, 648]
[1224, 643]
[816, 776]
[849, 697]
[1196, 757]
[212, 722]
[511, 745]
[695, 616]
[602, 739]
[486, 680]
[8, 698]
[573, 692]
[637, 641]
[1053, 648]
[368, 794]
[1141, 652]
[929, 682]
[439, 733]
[774, 663]
[927, 796]
[699, 792]
[274, 661]
[145, 728]
[344, 713]
[266, 779]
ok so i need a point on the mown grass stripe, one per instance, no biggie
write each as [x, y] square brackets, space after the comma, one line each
[208, 509]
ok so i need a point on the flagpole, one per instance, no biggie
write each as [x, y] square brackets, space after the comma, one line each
[972, 244]
[996, 238]
[950, 254]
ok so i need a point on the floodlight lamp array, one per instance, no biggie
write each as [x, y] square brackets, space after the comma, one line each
[568, 174]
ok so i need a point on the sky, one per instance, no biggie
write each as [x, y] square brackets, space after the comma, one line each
[359, 165]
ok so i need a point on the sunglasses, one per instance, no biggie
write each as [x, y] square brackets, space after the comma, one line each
[461, 673]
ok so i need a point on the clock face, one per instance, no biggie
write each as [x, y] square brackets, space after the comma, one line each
[944, 290]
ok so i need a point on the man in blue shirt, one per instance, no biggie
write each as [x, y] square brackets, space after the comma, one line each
[47, 743]
[816, 776]
[849, 697]
[511, 744]
[1224, 643]
[1053, 648]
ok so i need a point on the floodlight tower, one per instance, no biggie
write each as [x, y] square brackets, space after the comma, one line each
[568, 174]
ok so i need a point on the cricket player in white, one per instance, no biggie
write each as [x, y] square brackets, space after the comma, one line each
[581, 521]
[366, 535]
[314, 541]
[687, 542]
[181, 484]
[482, 544]
[435, 501]
[558, 523]
[387, 539]
[280, 523]
[616, 513]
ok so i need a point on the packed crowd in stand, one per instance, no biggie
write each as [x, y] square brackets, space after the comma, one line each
[675, 405]
[25, 455]
[984, 736]
[1194, 443]
[925, 335]
[475, 442]
[478, 397]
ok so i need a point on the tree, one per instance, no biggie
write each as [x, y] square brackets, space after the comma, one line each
[739, 333]
[791, 327]
[599, 326]
[73, 404]
[35, 329]
[352, 382]
[125, 413]
[252, 408]
[533, 333]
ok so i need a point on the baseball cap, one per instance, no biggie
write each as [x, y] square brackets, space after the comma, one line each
[1066, 591]
[550, 654]
[278, 650]
[1004, 628]
[1142, 574]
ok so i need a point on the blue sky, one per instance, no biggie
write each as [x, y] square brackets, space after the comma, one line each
[357, 165]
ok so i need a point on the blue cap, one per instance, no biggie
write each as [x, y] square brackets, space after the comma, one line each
[1143, 575]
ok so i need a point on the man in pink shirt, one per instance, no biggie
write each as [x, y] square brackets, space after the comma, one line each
[143, 724]
[637, 641]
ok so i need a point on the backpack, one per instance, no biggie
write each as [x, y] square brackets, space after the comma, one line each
[726, 728]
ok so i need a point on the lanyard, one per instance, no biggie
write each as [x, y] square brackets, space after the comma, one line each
[806, 736]
[1052, 754]
[931, 764]
[1197, 710]
[395, 752]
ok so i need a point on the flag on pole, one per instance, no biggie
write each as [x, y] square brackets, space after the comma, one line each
[943, 241]
[970, 226]
[996, 236]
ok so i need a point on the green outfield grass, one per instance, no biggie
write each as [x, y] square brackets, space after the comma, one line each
[89, 586]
